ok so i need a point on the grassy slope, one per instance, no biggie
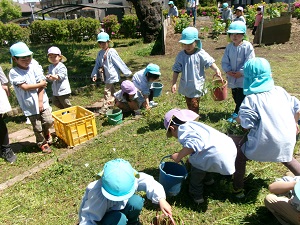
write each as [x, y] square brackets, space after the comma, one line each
[53, 195]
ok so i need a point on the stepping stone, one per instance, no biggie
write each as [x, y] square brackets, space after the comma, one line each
[20, 135]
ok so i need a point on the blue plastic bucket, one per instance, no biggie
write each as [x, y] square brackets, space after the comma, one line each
[157, 88]
[171, 175]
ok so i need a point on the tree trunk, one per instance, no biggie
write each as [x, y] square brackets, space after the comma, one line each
[150, 17]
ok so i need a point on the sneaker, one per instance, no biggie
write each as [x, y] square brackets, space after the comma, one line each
[239, 193]
[8, 155]
[152, 104]
[232, 118]
[46, 148]
[199, 200]
[27, 121]
[137, 112]
[49, 139]
[210, 182]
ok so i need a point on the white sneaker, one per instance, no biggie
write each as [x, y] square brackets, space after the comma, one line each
[199, 201]
[152, 104]
[28, 120]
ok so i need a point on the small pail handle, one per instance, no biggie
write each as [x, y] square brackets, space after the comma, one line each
[114, 119]
[169, 156]
[219, 78]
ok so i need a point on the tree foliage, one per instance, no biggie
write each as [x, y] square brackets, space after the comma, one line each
[9, 10]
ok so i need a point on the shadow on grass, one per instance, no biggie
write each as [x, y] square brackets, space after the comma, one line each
[262, 216]
[152, 126]
[213, 116]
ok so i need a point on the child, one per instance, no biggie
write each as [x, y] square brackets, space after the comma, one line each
[271, 115]
[258, 18]
[110, 63]
[29, 84]
[143, 80]
[209, 150]
[58, 74]
[112, 198]
[284, 201]
[191, 10]
[226, 15]
[129, 98]
[236, 54]
[191, 62]
[239, 14]
[173, 11]
[6, 151]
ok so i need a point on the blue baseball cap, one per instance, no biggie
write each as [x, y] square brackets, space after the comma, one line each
[225, 5]
[237, 27]
[20, 49]
[153, 69]
[171, 3]
[102, 37]
[190, 35]
[118, 180]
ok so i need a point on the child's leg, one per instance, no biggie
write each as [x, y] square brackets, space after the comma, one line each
[3, 132]
[114, 217]
[64, 101]
[133, 209]
[47, 121]
[151, 95]
[193, 104]
[293, 166]
[240, 170]
[109, 90]
[56, 102]
[122, 105]
[238, 97]
[36, 122]
[196, 183]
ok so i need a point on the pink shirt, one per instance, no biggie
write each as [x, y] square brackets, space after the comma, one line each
[258, 18]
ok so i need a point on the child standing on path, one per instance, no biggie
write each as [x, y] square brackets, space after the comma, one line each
[173, 11]
[112, 199]
[58, 74]
[6, 152]
[110, 63]
[191, 62]
[29, 83]
[129, 98]
[209, 150]
[236, 54]
[226, 15]
[239, 14]
[143, 80]
[271, 115]
[258, 18]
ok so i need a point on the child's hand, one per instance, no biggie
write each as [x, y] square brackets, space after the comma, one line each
[43, 84]
[230, 73]
[175, 157]
[165, 207]
[94, 78]
[173, 88]
[238, 74]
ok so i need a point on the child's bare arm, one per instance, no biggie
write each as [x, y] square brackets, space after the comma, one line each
[174, 81]
[27, 87]
[215, 68]
[41, 97]
[280, 187]
[179, 155]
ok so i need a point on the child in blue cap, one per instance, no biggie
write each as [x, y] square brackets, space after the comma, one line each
[29, 84]
[191, 63]
[173, 11]
[226, 15]
[271, 115]
[110, 64]
[112, 198]
[209, 150]
[143, 80]
[237, 52]
[284, 202]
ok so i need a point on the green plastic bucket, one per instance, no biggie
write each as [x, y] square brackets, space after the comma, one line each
[157, 88]
[114, 116]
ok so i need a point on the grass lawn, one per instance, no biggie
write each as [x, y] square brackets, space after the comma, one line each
[53, 195]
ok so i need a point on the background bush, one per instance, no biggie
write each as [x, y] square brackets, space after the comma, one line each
[111, 25]
[130, 26]
[11, 33]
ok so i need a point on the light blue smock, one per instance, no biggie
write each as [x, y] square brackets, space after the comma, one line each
[240, 18]
[192, 72]
[173, 11]
[4, 102]
[226, 14]
[113, 64]
[62, 86]
[213, 150]
[94, 205]
[28, 100]
[234, 59]
[137, 97]
[270, 118]
[140, 81]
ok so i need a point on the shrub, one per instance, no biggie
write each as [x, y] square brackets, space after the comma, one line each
[111, 25]
[183, 21]
[11, 33]
[296, 10]
[208, 11]
[130, 26]
[217, 28]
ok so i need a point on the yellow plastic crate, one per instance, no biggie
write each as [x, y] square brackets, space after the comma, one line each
[75, 125]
